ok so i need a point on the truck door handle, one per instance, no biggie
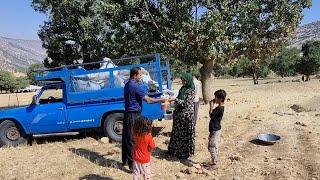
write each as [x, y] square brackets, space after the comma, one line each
[60, 108]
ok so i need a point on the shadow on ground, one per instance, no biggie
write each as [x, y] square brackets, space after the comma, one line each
[98, 159]
[259, 143]
[164, 155]
[94, 177]
[82, 135]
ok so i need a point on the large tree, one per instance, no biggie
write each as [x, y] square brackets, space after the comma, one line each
[192, 31]
[77, 29]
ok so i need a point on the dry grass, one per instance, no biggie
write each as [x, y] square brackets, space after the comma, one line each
[251, 110]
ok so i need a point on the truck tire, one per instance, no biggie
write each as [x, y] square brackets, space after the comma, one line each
[10, 134]
[112, 126]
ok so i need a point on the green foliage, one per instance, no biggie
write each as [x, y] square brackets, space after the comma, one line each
[10, 83]
[236, 70]
[248, 67]
[284, 64]
[6, 81]
[78, 29]
[20, 83]
[191, 31]
[310, 62]
[263, 27]
[31, 73]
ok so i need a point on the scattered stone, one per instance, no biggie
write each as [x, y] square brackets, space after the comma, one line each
[235, 157]
[300, 123]
[206, 173]
[279, 158]
[283, 113]
[317, 115]
[198, 166]
[180, 175]
[190, 170]
[166, 142]
[228, 99]
[104, 140]
[297, 108]
[297, 80]
[167, 134]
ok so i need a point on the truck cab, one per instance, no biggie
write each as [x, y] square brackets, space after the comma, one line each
[74, 99]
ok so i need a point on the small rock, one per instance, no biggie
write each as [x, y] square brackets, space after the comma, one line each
[205, 172]
[180, 175]
[235, 157]
[300, 123]
[104, 140]
[166, 141]
[279, 158]
[198, 166]
[191, 170]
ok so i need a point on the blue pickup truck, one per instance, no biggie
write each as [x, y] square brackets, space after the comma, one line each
[74, 99]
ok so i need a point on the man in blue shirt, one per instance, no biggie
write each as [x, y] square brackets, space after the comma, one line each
[133, 97]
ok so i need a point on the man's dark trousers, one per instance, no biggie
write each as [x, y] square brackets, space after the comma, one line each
[127, 137]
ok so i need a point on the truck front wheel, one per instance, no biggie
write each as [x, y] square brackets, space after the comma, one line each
[10, 134]
[113, 125]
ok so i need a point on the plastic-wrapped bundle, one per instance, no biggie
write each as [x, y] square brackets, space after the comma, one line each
[96, 81]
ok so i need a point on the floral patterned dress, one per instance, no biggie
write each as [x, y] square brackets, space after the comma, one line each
[182, 141]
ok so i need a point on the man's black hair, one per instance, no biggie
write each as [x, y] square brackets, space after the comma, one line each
[134, 71]
[221, 94]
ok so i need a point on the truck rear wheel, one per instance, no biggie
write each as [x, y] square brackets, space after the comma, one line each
[113, 125]
[10, 134]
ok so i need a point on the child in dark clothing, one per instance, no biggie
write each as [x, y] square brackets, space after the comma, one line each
[143, 146]
[216, 113]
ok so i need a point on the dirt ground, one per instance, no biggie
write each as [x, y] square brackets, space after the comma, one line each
[288, 109]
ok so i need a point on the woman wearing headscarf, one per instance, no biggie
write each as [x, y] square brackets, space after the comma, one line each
[182, 141]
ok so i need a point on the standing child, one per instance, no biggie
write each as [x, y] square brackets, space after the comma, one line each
[141, 152]
[216, 113]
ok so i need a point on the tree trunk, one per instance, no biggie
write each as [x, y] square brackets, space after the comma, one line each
[255, 78]
[308, 78]
[206, 73]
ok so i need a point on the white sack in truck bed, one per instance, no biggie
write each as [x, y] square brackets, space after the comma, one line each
[96, 81]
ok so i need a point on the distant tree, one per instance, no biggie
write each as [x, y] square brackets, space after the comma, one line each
[249, 67]
[7, 81]
[284, 63]
[217, 70]
[20, 83]
[309, 64]
[31, 73]
[236, 70]
[263, 27]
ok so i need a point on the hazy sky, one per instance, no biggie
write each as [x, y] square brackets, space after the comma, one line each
[19, 20]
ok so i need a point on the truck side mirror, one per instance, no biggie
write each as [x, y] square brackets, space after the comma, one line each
[34, 99]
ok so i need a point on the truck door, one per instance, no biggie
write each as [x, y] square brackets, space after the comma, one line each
[49, 114]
